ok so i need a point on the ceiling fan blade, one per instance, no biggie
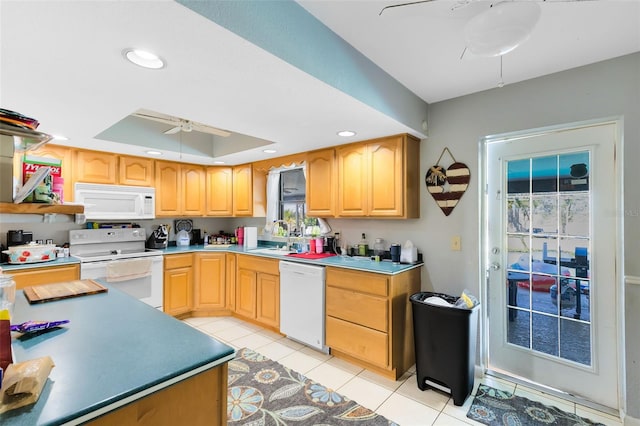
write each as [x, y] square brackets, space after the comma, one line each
[208, 129]
[154, 118]
[173, 130]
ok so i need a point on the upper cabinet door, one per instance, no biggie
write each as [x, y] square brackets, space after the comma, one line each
[168, 188]
[96, 167]
[386, 178]
[135, 171]
[352, 180]
[243, 190]
[193, 190]
[321, 193]
[219, 187]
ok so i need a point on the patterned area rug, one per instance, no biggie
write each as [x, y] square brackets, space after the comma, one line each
[263, 392]
[495, 407]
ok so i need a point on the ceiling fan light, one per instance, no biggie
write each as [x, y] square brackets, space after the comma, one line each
[501, 28]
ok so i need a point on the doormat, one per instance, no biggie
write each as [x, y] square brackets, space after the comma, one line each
[264, 392]
[496, 407]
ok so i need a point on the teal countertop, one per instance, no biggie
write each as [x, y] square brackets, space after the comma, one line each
[115, 350]
[364, 264]
[8, 267]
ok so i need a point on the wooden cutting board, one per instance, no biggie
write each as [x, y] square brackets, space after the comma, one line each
[62, 290]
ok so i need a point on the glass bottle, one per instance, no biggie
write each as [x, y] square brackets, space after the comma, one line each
[378, 247]
[363, 247]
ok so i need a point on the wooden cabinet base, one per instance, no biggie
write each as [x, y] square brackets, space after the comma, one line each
[389, 373]
[198, 400]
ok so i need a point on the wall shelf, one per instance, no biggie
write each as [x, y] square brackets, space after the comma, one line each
[40, 208]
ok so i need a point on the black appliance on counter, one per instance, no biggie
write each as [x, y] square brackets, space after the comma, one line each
[158, 238]
[19, 237]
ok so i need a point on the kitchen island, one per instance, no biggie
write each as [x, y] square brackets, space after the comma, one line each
[120, 361]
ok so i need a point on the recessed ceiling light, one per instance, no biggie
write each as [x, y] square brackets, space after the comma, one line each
[153, 152]
[346, 133]
[218, 162]
[143, 58]
[60, 138]
[270, 151]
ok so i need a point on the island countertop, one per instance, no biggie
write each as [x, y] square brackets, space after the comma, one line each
[114, 350]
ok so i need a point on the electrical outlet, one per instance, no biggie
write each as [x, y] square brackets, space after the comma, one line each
[456, 243]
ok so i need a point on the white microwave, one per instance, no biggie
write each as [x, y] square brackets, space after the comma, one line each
[116, 202]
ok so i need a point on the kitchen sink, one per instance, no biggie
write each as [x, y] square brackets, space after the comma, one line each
[271, 250]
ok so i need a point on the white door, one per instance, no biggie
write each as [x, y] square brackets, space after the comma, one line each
[550, 240]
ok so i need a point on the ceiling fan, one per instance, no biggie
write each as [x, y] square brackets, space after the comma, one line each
[498, 30]
[179, 124]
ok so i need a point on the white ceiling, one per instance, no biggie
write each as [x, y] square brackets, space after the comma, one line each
[61, 62]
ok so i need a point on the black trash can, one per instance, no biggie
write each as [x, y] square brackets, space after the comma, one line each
[445, 344]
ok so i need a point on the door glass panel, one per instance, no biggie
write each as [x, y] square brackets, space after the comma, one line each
[548, 246]
[575, 341]
[574, 214]
[544, 214]
[545, 334]
[518, 332]
[544, 171]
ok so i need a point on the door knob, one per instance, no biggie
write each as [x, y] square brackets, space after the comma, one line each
[495, 266]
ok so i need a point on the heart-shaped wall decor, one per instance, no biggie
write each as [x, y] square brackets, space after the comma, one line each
[448, 186]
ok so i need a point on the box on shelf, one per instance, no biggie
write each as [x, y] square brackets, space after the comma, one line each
[43, 193]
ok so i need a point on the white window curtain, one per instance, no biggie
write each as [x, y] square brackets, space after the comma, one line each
[273, 193]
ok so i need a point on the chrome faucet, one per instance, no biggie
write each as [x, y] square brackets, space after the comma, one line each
[288, 236]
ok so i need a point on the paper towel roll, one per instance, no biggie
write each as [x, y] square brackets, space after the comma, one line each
[250, 237]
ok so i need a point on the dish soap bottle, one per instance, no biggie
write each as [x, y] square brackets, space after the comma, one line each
[363, 247]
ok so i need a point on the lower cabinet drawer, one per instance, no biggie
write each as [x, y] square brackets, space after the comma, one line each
[358, 341]
[364, 309]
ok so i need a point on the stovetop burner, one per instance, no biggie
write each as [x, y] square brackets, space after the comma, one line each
[94, 245]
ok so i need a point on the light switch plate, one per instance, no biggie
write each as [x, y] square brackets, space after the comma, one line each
[456, 243]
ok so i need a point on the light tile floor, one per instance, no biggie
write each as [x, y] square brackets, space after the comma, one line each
[400, 401]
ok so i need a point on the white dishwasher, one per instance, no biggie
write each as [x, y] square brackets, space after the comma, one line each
[302, 303]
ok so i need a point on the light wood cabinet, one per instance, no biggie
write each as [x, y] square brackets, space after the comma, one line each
[368, 319]
[197, 400]
[136, 171]
[219, 190]
[230, 273]
[249, 191]
[60, 153]
[268, 299]
[258, 290]
[178, 284]
[379, 178]
[45, 275]
[179, 189]
[321, 183]
[95, 167]
[210, 281]
[168, 182]
[352, 180]
[193, 189]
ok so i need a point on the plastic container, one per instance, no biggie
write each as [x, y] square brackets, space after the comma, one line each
[182, 239]
[7, 293]
[445, 345]
[378, 247]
